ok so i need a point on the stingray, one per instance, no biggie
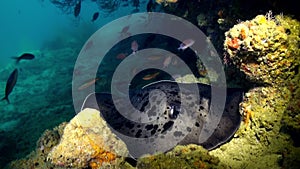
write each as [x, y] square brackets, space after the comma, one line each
[157, 119]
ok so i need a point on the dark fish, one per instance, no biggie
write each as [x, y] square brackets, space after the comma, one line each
[95, 16]
[167, 123]
[77, 8]
[150, 6]
[136, 3]
[10, 84]
[27, 56]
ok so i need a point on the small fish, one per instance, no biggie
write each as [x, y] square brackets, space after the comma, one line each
[10, 84]
[125, 29]
[154, 57]
[95, 16]
[121, 56]
[134, 46]
[89, 45]
[150, 6]
[175, 62]
[124, 32]
[167, 61]
[87, 84]
[186, 43]
[150, 76]
[77, 8]
[27, 56]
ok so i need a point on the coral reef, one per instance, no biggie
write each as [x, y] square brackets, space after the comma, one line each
[259, 141]
[84, 142]
[87, 141]
[191, 156]
[265, 48]
[38, 159]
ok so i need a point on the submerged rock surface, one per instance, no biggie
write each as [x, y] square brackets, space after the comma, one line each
[87, 141]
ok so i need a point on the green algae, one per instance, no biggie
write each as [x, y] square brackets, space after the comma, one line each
[183, 157]
[267, 137]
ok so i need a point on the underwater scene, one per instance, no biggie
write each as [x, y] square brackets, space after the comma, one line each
[149, 84]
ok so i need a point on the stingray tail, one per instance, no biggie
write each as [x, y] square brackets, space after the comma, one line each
[5, 98]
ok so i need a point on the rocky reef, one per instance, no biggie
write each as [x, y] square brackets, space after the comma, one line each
[190, 156]
[265, 48]
[38, 158]
[86, 141]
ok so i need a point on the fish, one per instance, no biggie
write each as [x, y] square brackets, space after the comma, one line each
[77, 8]
[121, 56]
[10, 84]
[125, 29]
[124, 32]
[88, 83]
[150, 5]
[95, 16]
[134, 46]
[185, 44]
[164, 116]
[154, 57]
[24, 56]
[151, 76]
[167, 61]
[89, 45]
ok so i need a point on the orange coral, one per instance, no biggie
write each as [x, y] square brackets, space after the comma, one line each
[200, 164]
[233, 43]
[100, 156]
[243, 33]
[247, 115]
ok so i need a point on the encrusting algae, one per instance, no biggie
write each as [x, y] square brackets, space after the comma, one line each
[191, 156]
[84, 142]
[87, 141]
[264, 48]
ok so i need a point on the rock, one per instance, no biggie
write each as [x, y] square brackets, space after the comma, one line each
[87, 141]
[265, 48]
[191, 156]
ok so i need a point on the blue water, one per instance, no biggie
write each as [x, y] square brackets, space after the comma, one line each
[26, 25]
[41, 98]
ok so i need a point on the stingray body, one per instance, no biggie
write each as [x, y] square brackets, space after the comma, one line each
[163, 115]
